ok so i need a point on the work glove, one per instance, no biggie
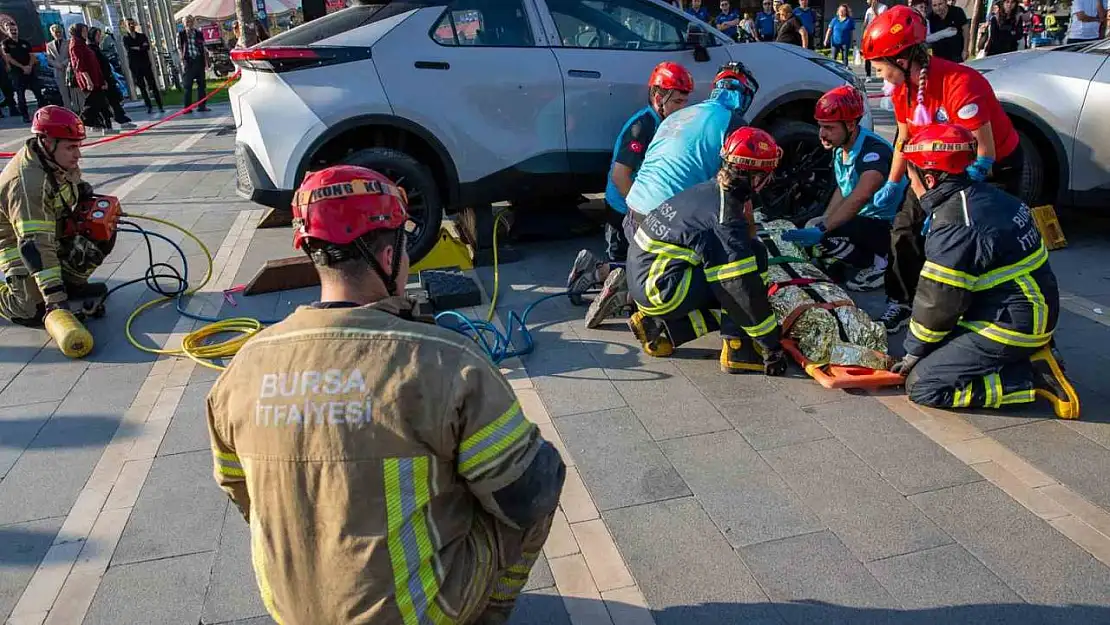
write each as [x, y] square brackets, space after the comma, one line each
[980, 169]
[887, 195]
[774, 362]
[807, 237]
[904, 366]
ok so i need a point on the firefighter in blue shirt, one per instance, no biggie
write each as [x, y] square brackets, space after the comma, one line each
[853, 232]
[686, 151]
[669, 89]
[695, 266]
[987, 304]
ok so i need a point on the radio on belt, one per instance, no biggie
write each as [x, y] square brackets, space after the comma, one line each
[96, 218]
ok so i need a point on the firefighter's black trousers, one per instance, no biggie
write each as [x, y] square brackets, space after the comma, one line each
[969, 371]
[699, 314]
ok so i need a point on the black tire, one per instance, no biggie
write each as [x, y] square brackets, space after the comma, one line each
[803, 183]
[1032, 171]
[425, 206]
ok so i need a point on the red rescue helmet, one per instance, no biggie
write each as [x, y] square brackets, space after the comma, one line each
[751, 149]
[737, 71]
[842, 104]
[339, 204]
[893, 31]
[670, 76]
[942, 147]
[57, 122]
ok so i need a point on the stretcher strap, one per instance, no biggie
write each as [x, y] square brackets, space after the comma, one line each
[774, 288]
[783, 260]
[788, 322]
[841, 330]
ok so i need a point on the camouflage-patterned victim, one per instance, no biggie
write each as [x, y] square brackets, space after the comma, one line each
[844, 335]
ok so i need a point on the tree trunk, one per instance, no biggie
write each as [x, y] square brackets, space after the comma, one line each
[973, 33]
[248, 25]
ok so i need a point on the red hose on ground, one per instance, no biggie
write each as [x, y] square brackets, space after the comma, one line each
[132, 133]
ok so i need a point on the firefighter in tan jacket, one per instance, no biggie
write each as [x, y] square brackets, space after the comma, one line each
[39, 189]
[384, 465]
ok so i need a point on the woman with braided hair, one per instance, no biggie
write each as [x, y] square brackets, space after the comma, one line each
[931, 90]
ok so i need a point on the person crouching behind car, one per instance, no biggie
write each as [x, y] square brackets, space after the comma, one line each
[686, 151]
[853, 232]
[695, 266]
[669, 89]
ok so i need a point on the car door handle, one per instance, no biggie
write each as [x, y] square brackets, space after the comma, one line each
[583, 73]
[432, 65]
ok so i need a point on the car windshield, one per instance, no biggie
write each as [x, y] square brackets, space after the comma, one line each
[347, 19]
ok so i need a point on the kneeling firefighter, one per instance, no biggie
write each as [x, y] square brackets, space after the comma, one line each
[693, 269]
[987, 303]
[384, 465]
[45, 254]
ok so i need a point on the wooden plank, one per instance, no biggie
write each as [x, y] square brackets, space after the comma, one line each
[283, 274]
[277, 218]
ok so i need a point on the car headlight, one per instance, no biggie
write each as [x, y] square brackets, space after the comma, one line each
[843, 72]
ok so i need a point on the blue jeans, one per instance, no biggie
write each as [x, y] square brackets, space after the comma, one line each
[845, 49]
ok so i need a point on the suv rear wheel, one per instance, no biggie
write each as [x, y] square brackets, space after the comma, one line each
[425, 205]
[803, 182]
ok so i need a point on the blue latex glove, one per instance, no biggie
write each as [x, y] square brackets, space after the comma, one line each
[887, 195]
[979, 170]
[807, 237]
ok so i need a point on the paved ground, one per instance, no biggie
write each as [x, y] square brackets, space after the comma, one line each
[694, 497]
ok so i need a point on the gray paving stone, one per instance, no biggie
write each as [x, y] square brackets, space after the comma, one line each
[686, 570]
[45, 480]
[703, 369]
[170, 590]
[177, 511]
[22, 547]
[1096, 430]
[1064, 454]
[29, 385]
[18, 427]
[188, 430]
[990, 420]
[541, 576]
[803, 391]
[21, 345]
[540, 607]
[938, 577]
[228, 598]
[813, 569]
[866, 513]
[105, 390]
[570, 381]
[261, 620]
[620, 464]
[745, 498]
[670, 407]
[1031, 557]
[905, 457]
[767, 423]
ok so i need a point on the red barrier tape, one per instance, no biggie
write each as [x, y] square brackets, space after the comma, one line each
[141, 129]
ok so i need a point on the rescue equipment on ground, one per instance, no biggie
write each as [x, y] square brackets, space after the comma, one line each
[1049, 226]
[96, 218]
[71, 336]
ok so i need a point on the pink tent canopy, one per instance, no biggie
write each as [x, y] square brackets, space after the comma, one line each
[220, 9]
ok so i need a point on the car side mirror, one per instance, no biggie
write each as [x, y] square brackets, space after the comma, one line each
[698, 39]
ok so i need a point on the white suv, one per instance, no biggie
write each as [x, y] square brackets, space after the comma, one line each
[468, 102]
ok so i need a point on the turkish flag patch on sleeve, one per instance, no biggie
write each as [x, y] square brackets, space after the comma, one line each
[636, 147]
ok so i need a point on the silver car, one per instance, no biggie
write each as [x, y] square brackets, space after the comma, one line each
[1058, 99]
[469, 102]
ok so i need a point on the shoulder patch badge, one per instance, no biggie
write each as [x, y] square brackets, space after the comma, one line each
[636, 147]
[942, 115]
[871, 157]
[969, 111]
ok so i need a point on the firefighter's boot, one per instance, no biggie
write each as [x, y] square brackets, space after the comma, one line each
[1049, 382]
[72, 337]
[740, 356]
[613, 299]
[652, 335]
[78, 291]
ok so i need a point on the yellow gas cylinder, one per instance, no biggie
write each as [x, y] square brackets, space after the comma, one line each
[72, 337]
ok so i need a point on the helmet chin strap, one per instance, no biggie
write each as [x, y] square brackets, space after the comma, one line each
[48, 153]
[388, 279]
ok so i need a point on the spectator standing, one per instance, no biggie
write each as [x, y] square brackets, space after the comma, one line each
[698, 11]
[141, 62]
[728, 20]
[875, 9]
[747, 24]
[1087, 22]
[115, 96]
[808, 18]
[1004, 29]
[950, 30]
[194, 62]
[840, 32]
[57, 54]
[95, 112]
[21, 69]
[765, 22]
[790, 29]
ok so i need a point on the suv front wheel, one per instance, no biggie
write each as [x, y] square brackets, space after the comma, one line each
[424, 203]
[803, 183]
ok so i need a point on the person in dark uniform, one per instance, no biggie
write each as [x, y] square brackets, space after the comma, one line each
[194, 62]
[695, 266]
[138, 59]
[21, 69]
[6, 82]
[853, 232]
[669, 88]
[987, 303]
